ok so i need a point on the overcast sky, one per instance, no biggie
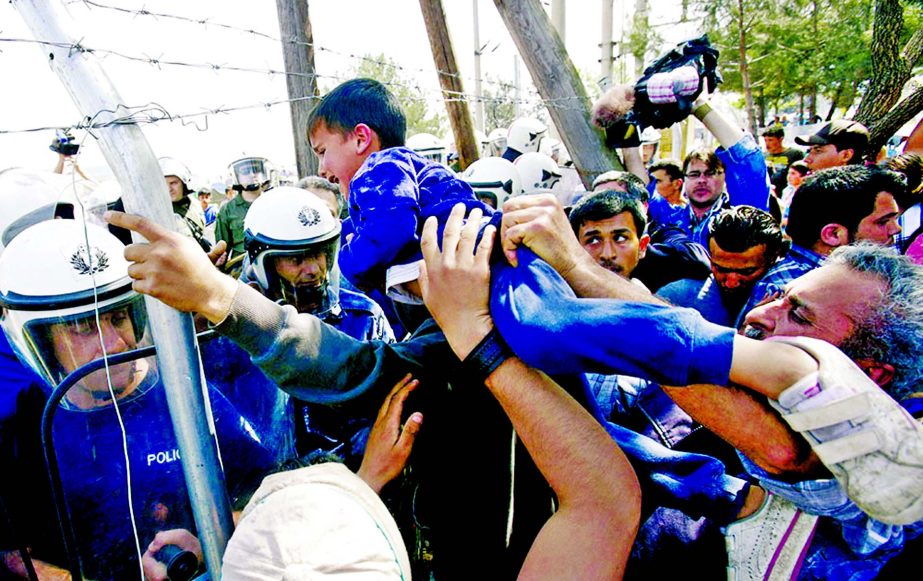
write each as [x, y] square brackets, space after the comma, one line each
[343, 29]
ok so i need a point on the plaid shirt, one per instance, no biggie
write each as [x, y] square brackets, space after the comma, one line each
[664, 87]
[797, 262]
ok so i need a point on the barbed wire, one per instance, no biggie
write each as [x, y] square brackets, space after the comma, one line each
[152, 113]
[159, 62]
[205, 22]
[441, 96]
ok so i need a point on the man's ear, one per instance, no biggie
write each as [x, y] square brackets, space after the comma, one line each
[846, 155]
[642, 245]
[365, 138]
[880, 373]
[834, 235]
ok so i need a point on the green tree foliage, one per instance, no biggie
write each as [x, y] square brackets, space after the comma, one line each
[500, 104]
[801, 50]
[415, 102]
[795, 48]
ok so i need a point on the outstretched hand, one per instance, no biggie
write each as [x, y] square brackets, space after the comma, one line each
[455, 280]
[389, 445]
[173, 269]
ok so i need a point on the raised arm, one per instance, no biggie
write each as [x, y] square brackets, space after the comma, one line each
[746, 177]
[599, 496]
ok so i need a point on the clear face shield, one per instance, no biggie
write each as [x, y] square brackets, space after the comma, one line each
[250, 173]
[308, 279]
[66, 342]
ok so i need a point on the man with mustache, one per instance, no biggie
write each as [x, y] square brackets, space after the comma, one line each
[860, 319]
[733, 175]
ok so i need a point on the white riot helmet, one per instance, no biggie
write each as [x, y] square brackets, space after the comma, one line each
[537, 171]
[497, 140]
[50, 314]
[250, 173]
[649, 137]
[429, 146]
[27, 197]
[171, 167]
[525, 135]
[493, 180]
[483, 143]
[289, 223]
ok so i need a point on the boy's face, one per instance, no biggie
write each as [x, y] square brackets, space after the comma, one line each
[338, 155]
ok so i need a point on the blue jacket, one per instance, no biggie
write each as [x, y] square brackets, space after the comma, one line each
[746, 184]
[392, 194]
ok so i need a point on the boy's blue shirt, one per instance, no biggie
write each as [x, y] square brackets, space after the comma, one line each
[390, 197]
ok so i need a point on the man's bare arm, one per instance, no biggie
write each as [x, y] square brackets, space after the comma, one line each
[635, 164]
[597, 489]
[744, 420]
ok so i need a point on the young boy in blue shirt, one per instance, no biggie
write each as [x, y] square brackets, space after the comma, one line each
[357, 131]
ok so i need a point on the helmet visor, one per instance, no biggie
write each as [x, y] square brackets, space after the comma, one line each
[59, 345]
[250, 172]
[306, 279]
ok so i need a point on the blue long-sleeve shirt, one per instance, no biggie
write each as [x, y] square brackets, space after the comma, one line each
[392, 194]
[746, 184]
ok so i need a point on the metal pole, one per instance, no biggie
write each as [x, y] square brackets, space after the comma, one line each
[559, 18]
[605, 59]
[517, 91]
[144, 192]
[479, 104]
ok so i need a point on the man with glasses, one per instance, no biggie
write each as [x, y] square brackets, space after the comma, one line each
[733, 175]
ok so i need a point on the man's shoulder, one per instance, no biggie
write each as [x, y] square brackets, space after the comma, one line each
[796, 262]
[227, 208]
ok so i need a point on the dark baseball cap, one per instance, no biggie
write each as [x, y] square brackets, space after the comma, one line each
[842, 133]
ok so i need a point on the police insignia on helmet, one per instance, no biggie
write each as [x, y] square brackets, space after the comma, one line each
[83, 263]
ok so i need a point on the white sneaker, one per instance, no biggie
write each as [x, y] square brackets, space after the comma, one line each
[771, 543]
[869, 442]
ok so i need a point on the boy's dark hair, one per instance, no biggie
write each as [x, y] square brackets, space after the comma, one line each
[800, 167]
[774, 131]
[740, 228]
[839, 195]
[706, 156]
[608, 204]
[911, 166]
[670, 167]
[361, 101]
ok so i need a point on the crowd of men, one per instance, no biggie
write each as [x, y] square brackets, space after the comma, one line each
[705, 365]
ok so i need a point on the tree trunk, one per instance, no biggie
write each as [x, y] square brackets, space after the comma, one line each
[833, 102]
[744, 70]
[450, 80]
[298, 54]
[891, 69]
[559, 85]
